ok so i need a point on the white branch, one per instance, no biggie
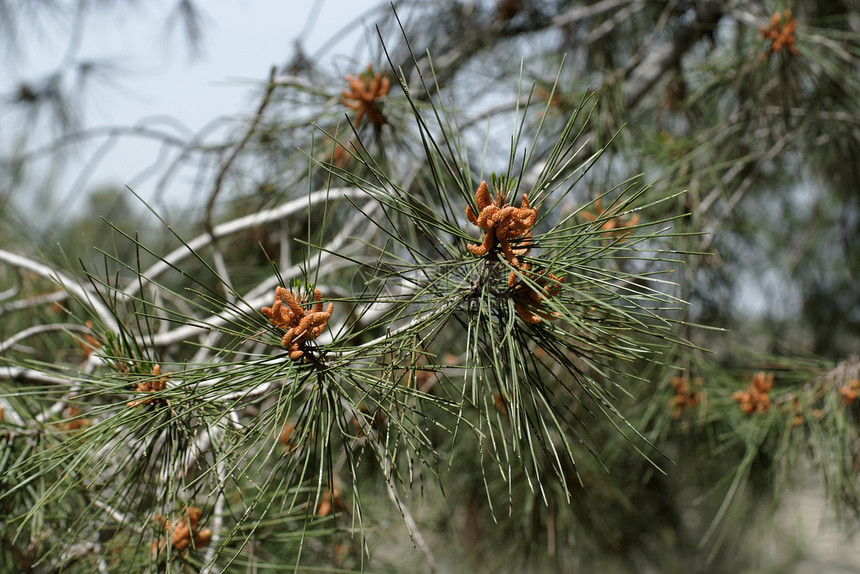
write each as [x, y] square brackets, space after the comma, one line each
[30, 375]
[237, 225]
[582, 12]
[64, 281]
[34, 301]
[261, 295]
[37, 330]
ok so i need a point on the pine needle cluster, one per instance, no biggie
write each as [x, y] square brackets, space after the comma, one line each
[482, 334]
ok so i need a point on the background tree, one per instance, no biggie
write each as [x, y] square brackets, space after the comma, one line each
[620, 350]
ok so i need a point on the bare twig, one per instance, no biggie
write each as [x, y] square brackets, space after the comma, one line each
[235, 226]
[64, 281]
[38, 330]
[667, 56]
[233, 152]
[710, 232]
[582, 12]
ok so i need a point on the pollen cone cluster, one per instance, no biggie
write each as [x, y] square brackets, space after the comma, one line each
[614, 226]
[528, 296]
[850, 391]
[155, 384]
[301, 324]
[503, 225]
[183, 531]
[780, 33]
[686, 395]
[755, 398]
[363, 96]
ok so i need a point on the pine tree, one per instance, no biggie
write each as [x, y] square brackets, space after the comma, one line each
[483, 295]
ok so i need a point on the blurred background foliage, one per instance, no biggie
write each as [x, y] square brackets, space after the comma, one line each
[751, 109]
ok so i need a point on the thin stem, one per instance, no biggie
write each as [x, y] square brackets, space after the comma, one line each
[256, 219]
[64, 281]
[233, 153]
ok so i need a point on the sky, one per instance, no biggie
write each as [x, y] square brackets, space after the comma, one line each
[155, 79]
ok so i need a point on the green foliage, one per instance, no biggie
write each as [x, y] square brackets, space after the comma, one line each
[458, 315]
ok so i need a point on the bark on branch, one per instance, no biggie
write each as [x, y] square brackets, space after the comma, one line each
[667, 56]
